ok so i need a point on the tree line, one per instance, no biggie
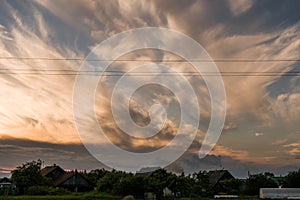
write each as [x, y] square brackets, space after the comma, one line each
[28, 179]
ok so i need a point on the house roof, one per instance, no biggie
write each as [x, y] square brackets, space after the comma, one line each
[48, 169]
[148, 170]
[5, 181]
[62, 178]
[66, 176]
[215, 176]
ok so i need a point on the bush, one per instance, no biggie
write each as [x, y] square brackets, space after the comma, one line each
[37, 190]
[44, 190]
[59, 191]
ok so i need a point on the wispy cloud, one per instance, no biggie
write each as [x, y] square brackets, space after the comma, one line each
[39, 107]
[4, 34]
[239, 6]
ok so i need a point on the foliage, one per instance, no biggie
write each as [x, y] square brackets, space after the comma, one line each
[122, 183]
[37, 190]
[234, 186]
[45, 190]
[28, 175]
[94, 175]
[29, 180]
[72, 196]
[200, 186]
[292, 180]
[157, 181]
[110, 181]
[130, 184]
[5, 190]
[257, 181]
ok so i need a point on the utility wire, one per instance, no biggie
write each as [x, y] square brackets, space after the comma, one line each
[70, 72]
[157, 74]
[148, 60]
[137, 73]
[134, 72]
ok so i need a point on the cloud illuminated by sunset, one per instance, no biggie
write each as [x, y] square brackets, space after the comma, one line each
[255, 44]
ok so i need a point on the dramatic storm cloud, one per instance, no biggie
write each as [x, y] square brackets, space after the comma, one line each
[254, 43]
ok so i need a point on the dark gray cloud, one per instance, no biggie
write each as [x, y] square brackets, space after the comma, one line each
[14, 152]
[263, 16]
[78, 25]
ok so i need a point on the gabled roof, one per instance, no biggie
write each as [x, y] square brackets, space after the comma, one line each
[60, 178]
[215, 176]
[66, 176]
[63, 178]
[5, 181]
[147, 171]
[48, 169]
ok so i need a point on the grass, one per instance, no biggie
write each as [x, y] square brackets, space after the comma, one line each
[239, 198]
[73, 196]
[98, 196]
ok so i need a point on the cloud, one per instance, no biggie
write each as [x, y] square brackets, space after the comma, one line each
[223, 45]
[229, 127]
[4, 34]
[280, 142]
[238, 7]
[293, 148]
[287, 108]
[258, 134]
[35, 105]
[15, 151]
[5, 170]
[39, 107]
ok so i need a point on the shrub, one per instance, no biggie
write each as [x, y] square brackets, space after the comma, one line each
[44, 190]
[58, 191]
[37, 190]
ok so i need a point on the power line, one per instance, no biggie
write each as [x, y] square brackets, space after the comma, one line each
[20, 71]
[154, 60]
[118, 74]
[121, 73]
[133, 72]
[71, 72]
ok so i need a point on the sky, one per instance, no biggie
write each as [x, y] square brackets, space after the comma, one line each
[255, 45]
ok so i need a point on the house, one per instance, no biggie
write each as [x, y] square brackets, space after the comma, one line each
[4, 182]
[53, 172]
[6, 187]
[72, 180]
[147, 171]
[216, 178]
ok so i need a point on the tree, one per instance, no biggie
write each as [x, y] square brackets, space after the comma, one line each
[200, 184]
[257, 181]
[131, 185]
[157, 181]
[95, 175]
[184, 185]
[28, 175]
[234, 186]
[292, 180]
[108, 181]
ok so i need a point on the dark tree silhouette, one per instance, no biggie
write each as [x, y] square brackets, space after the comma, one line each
[28, 175]
[257, 181]
[292, 180]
